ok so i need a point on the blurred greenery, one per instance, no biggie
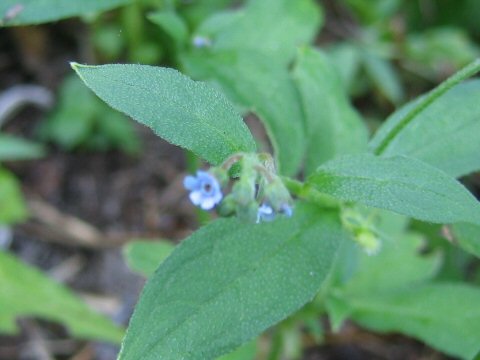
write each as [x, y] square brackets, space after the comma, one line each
[81, 120]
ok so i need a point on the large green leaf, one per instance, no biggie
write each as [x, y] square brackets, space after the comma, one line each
[333, 126]
[25, 12]
[445, 316]
[275, 27]
[444, 135]
[230, 281]
[260, 84]
[398, 265]
[13, 148]
[12, 204]
[184, 112]
[392, 292]
[407, 118]
[403, 185]
[25, 291]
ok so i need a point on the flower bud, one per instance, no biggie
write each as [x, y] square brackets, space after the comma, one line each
[368, 241]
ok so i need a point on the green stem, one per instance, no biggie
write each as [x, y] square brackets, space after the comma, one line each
[306, 192]
[468, 71]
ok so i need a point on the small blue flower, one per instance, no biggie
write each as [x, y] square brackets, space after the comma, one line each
[287, 210]
[204, 190]
[201, 42]
[265, 213]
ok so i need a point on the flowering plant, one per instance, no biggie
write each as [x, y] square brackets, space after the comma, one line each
[336, 221]
[237, 276]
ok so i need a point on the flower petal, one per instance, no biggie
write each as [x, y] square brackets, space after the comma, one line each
[190, 183]
[196, 198]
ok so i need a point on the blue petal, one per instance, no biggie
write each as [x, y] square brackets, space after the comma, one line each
[287, 210]
[190, 183]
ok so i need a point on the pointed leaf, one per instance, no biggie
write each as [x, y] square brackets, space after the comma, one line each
[403, 185]
[184, 112]
[229, 282]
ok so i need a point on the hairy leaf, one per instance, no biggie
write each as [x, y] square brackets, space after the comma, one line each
[184, 112]
[403, 185]
[444, 135]
[229, 282]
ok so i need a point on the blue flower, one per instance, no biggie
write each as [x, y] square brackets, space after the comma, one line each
[265, 213]
[287, 210]
[201, 42]
[204, 190]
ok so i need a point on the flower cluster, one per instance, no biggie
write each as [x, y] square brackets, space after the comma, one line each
[257, 194]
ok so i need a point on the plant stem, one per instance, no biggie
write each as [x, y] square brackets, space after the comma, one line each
[306, 192]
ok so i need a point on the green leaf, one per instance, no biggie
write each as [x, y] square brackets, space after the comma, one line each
[395, 125]
[468, 237]
[274, 27]
[262, 85]
[25, 291]
[172, 24]
[145, 256]
[399, 264]
[13, 148]
[443, 134]
[403, 185]
[346, 58]
[436, 49]
[333, 127]
[445, 316]
[383, 75]
[246, 352]
[229, 282]
[186, 113]
[27, 12]
[12, 205]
